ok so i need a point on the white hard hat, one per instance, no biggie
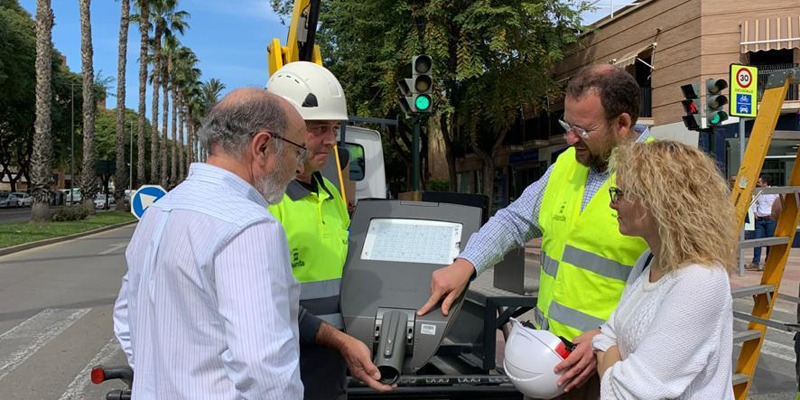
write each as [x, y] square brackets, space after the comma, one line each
[312, 89]
[530, 356]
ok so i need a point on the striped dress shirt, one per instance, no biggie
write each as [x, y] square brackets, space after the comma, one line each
[208, 308]
[518, 223]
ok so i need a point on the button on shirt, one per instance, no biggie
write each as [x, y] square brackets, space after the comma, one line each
[208, 308]
[518, 223]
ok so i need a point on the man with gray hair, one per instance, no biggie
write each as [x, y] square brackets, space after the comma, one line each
[208, 308]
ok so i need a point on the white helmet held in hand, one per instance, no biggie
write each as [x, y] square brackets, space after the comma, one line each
[312, 89]
[530, 356]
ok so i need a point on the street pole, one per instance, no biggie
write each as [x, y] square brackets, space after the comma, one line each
[415, 157]
[741, 161]
[72, 146]
[130, 158]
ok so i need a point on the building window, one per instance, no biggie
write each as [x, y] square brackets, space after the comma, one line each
[772, 60]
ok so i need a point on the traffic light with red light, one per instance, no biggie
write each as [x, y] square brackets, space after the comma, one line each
[691, 107]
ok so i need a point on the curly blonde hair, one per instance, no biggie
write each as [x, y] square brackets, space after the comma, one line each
[688, 198]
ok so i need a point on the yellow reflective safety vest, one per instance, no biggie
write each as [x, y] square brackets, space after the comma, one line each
[316, 227]
[585, 260]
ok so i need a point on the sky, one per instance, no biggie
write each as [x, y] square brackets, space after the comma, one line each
[230, 39]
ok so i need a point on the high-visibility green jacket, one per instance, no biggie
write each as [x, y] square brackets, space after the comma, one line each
[585, 260]
[316, 227]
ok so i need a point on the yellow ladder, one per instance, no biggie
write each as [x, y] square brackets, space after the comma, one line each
[765, 294]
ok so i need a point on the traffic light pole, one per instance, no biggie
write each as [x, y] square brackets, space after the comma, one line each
[742, 146]
[415, 157]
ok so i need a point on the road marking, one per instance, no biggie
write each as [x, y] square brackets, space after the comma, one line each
[77, 388]
[114, 247]
[34, 334]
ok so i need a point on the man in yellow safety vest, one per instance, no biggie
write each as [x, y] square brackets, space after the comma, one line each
[316, 222]
[585, 260]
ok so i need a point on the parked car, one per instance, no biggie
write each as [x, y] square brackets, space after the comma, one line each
[23, 199]
[76, 195]
[100, 201]
[6, 200]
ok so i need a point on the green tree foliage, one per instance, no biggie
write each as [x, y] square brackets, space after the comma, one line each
[492, 58]
[17, 72]
[17, 105]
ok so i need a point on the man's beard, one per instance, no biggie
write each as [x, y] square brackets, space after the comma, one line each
[599, 161]
[273, 186]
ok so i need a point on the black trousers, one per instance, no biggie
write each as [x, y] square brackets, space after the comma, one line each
[323, 372]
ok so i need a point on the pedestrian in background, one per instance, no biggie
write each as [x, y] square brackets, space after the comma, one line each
[764, 224]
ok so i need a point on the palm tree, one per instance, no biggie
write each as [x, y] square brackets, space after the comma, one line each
[121, 179]
[211, 91]
[42, 140]
[144, 28]
[168, 52]
[173, 79]
[185, 80]
[195, 115]
[155, 79]
[88, 176]
[167, 21]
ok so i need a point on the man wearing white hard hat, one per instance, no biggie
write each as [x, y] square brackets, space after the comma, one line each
[316, 222]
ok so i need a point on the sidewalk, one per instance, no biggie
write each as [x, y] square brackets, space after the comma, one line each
[789, 283]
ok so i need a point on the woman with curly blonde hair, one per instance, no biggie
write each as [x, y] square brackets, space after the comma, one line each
[671, 336]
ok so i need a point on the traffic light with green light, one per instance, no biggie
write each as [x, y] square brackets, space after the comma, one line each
[716, 102]
[416, 93]
[421, 74]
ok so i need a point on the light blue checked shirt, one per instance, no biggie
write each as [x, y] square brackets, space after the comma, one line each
[208, 308]
[518, 223]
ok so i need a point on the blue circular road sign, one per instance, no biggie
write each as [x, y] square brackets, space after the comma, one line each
[144, 197]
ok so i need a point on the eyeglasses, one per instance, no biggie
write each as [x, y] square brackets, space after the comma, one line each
[615, 193]
[302, 150]
[575, 129]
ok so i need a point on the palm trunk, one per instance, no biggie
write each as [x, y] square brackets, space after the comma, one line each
[88, 176]
[181, 148]
[154, 137]
[174, 166]
[121, 179]
[165, 111]
[189, 141]
[42, 140]
[144, 27]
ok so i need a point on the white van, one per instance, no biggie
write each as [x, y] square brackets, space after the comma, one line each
[367, 168]
[367, 174]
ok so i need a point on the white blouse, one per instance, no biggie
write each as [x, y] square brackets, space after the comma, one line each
[675, 336]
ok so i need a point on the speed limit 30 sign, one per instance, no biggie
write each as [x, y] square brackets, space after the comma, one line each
[744, 91]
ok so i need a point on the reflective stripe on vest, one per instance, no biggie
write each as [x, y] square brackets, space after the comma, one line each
[320, 289]
[585, 260]
[573, 318]
[549, 266]
[595, 263]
